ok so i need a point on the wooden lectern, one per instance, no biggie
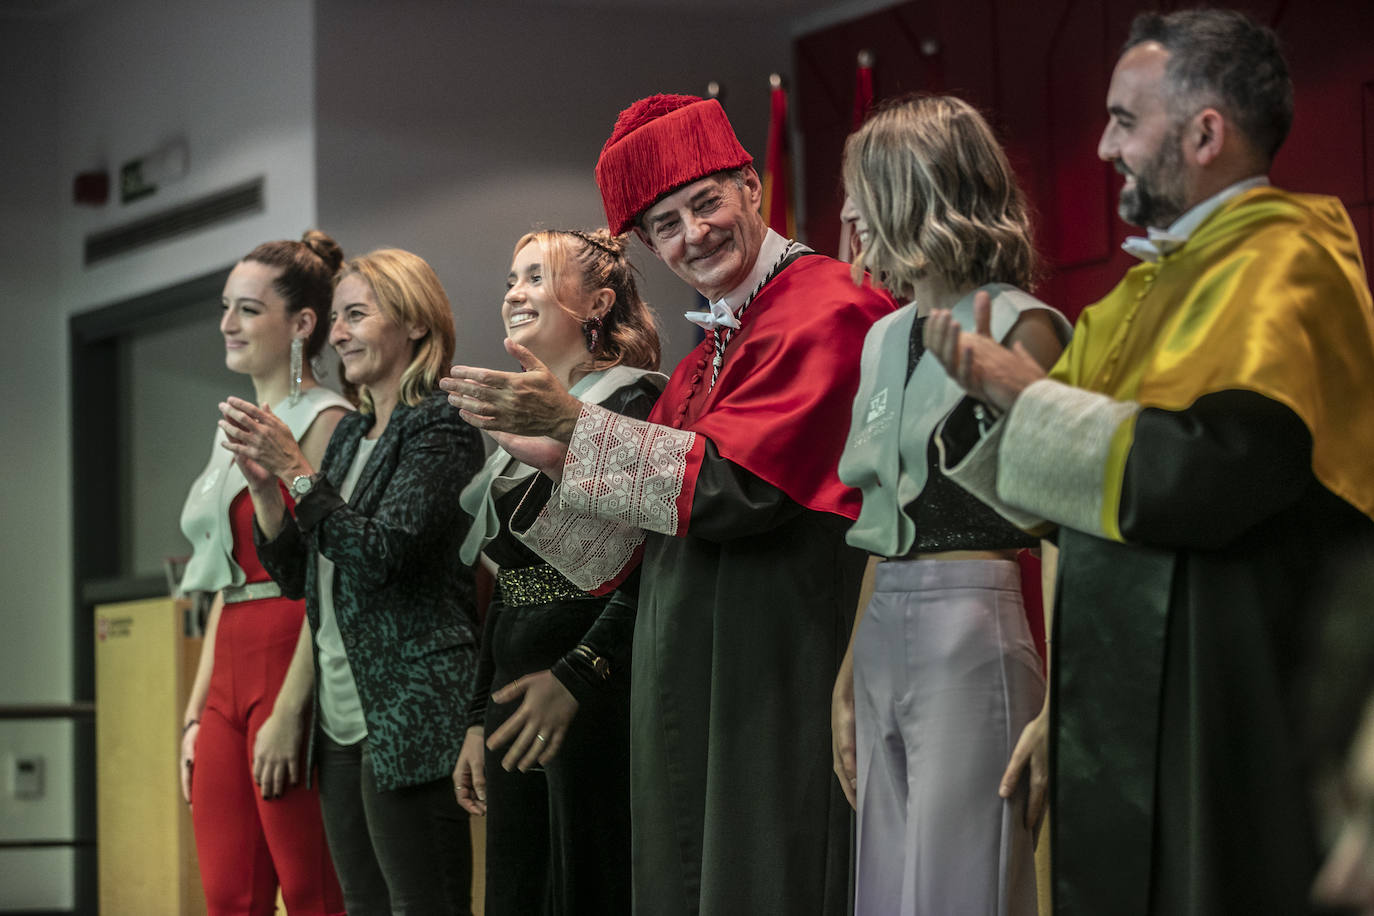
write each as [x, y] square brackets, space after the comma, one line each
[144, 666]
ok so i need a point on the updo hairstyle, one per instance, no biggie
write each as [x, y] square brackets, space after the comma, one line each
[306, 280]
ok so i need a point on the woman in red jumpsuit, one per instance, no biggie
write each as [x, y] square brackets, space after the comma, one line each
[257, 821]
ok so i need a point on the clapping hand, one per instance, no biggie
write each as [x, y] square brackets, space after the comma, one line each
[262, 444]
[528, 403]
[984, 368]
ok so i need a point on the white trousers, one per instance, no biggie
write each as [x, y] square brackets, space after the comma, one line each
[945, 678]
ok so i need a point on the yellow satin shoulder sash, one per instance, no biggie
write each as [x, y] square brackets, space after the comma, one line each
[1268, 295]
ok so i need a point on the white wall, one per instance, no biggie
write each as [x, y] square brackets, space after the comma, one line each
[235, 79]
[174, 371]
[452, 128]
[34, 554]
[100, 84]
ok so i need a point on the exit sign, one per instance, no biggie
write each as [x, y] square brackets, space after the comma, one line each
[133, 184]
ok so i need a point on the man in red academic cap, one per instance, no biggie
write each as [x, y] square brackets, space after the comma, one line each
[722, 522]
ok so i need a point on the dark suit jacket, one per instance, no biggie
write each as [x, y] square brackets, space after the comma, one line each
[403, 598]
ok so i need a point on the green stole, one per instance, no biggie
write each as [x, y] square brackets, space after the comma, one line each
[894, 417]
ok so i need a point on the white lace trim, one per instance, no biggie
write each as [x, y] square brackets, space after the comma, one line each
[589, 551]
[625, 470]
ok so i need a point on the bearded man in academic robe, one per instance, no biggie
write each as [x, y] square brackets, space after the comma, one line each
[1203, 449]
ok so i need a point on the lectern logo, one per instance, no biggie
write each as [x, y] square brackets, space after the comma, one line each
[107, 627]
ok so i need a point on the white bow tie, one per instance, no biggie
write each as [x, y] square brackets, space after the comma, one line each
[1158, 244]
[719, 316]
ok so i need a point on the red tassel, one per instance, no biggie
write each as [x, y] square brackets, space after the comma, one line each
[863, 89]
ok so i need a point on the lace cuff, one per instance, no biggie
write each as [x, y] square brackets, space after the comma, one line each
[594, 553]
[628, 471]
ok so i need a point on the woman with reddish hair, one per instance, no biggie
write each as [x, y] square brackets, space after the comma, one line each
[546, 758]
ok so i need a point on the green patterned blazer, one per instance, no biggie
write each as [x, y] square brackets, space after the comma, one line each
[403, 599]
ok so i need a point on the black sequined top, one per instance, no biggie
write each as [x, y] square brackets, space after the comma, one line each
[947, 516]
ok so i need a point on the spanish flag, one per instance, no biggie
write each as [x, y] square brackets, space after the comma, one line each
[863, 101]
[777, 170]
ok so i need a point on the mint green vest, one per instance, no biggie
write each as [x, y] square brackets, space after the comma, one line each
[893, 417]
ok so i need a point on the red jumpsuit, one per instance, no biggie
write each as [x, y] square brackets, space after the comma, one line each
[247, 844]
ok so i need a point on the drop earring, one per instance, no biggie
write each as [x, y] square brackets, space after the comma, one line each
[297, 362]
[591, 329]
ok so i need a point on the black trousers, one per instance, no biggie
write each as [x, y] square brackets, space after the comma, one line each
[558, 839]
[403, 852]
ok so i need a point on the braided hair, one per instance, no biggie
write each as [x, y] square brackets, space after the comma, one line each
[628, 334]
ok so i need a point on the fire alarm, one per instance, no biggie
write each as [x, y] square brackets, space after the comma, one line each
[91, 188]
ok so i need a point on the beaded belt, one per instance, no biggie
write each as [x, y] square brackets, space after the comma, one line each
[529, 585]
[253, 591]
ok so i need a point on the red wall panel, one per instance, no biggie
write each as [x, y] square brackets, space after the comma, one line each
[1040, 73]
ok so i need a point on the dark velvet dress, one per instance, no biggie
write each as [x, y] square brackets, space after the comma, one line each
[558, 838]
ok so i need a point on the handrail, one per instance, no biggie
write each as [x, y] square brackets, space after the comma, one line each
[47, 844]
[84, 709]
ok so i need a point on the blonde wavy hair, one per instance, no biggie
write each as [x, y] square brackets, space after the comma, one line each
[629, 334]
[408, 292]
[938, 195]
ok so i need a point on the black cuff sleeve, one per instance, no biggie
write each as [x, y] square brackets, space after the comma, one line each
[582, 684]
[961, 431]
[284, 557]
[536, 496]
[611, 636]
[318, 504]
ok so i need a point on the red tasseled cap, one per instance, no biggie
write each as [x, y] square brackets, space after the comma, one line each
[658, 145]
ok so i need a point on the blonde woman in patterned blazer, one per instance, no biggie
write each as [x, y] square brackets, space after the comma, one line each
[374, 548]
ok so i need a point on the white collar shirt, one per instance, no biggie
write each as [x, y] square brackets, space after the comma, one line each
[1156, 243]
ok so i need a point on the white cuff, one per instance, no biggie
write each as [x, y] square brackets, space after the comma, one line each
[1054, 453]
[589, 551]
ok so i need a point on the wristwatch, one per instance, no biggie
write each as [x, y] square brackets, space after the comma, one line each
[301, 486]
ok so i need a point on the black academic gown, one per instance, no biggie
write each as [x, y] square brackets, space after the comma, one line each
[1179, 784]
